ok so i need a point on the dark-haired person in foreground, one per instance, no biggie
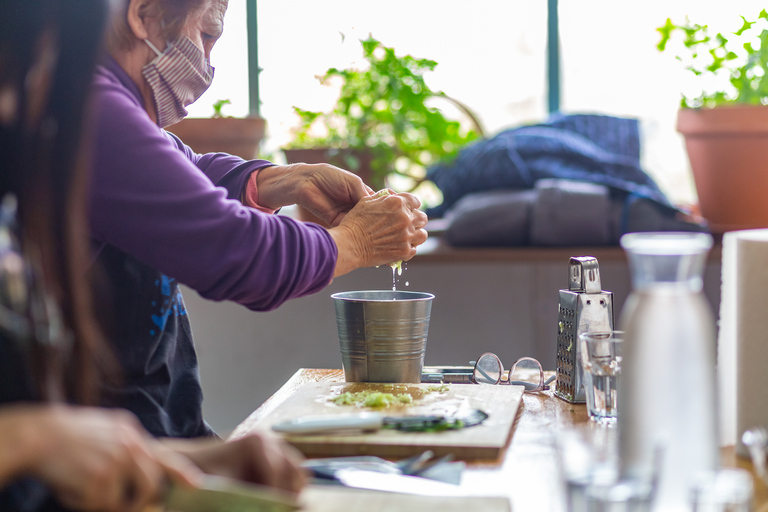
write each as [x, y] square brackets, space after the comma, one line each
[57, 450]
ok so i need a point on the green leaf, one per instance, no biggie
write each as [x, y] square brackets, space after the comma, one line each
[666, 33]
[746, 25]
[218, 105]
[384, 110]
[716, 59]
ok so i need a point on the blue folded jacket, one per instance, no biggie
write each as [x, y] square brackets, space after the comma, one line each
[591, 148]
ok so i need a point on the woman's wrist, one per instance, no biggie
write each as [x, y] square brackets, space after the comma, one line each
[23, 438]
[251, 194]
[276, 185]
[345, 257]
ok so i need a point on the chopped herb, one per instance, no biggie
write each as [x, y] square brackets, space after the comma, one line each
[405, 398]
[345, 399]
[386, 396]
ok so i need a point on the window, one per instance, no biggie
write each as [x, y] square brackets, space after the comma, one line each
[610, 65]
[491, 56]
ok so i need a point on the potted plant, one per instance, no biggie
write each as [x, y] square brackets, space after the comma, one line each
[725, 123]
[386, 122]
[240, 136]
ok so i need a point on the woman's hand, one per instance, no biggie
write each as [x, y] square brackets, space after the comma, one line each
[326, 191]
[379, 230]
[254, 458]
[93, 459]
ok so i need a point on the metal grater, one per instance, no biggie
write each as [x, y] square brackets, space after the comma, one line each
[583, 307]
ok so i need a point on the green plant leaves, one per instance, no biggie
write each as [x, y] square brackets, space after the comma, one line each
[218, 105]
[389, 111]
[737, 62]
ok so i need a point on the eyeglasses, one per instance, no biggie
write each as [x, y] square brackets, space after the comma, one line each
[526, 372]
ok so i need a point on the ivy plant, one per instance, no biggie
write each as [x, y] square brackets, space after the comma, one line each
[389, 112]
[729, 67]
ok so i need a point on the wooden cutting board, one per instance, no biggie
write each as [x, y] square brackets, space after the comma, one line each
[484, 441]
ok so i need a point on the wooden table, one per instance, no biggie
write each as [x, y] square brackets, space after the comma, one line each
[527, 472]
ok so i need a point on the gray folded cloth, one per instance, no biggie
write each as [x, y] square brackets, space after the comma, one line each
[554, 213]
[570, 213]
[499, 218]
[557, 212]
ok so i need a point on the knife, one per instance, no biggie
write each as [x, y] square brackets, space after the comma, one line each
[376, 421]
[219, 494]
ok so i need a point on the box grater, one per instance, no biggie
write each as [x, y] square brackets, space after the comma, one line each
[583, 307]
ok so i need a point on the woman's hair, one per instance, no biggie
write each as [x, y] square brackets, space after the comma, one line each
[48, 49]
[172, 14]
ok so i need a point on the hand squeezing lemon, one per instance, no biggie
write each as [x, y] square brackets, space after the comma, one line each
[397, 264]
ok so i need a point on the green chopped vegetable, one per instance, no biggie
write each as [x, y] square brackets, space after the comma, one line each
[375, 399]
[447, 424]
[386, 395]
[378, 399]
[345, 399]
[405, 398]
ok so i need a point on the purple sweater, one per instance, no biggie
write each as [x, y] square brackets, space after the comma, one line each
[160, 215]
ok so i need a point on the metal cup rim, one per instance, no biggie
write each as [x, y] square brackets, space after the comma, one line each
[403, 296]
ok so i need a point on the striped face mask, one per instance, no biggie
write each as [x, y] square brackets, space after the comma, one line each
[178, 76]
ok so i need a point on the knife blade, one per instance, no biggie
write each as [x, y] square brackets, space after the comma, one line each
[376, 421]
[388, 482]
[219, 494]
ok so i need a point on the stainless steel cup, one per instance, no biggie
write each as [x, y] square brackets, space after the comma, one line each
[383, 334]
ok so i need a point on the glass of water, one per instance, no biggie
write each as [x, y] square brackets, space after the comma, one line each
[587, 458]
[601, 358]
[722, 490]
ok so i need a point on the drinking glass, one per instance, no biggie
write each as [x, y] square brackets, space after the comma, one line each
[722, 490]
[587, 457]
[601, 359]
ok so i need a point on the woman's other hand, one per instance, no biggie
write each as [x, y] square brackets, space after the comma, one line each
[380, 229]
[323, 189]
[255, 458]
[93, 459]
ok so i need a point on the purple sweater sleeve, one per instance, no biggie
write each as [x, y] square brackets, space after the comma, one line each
[159, 202]
[224, 170]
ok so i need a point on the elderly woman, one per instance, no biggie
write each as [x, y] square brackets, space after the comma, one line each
[162, 215]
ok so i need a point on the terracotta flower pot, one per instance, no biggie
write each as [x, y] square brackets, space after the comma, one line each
[238, 136]
[728, 151]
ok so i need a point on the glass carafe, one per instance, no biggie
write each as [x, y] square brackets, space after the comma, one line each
[667, 422]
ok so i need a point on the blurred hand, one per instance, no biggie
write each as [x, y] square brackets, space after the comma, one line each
[379, 230]
[254, 458]
[98, 459]
[326, 191]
